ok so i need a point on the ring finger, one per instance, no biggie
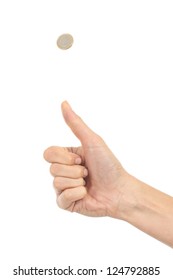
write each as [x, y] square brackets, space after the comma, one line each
[62, 183]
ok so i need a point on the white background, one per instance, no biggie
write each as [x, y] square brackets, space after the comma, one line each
[119, 77]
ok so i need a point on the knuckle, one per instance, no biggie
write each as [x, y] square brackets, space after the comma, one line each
[56, 182]
[48, 153]
[67, 195]
[52, 169]
[98, 139]
[59, 203]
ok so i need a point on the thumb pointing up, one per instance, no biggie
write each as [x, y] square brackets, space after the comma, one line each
[77, 125]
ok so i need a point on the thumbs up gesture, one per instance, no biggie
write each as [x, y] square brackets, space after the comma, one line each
[90, 180]
[87, 179]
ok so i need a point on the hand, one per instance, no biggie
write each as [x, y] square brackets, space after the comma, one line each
[91, 181]
[87, 179]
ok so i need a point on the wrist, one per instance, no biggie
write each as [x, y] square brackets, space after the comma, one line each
[129, 202]
[148, 209]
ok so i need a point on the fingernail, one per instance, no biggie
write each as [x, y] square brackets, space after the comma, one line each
[85, 172]
[78, 161]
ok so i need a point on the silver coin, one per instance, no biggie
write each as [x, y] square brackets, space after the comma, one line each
[65, 41]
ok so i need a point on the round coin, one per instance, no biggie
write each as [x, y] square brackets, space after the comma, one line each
[65, 41]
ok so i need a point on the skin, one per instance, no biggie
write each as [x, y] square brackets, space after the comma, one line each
[91, 181]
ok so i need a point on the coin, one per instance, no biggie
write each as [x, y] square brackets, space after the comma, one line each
[65, 41]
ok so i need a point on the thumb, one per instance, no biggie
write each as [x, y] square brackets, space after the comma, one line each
[77, 125]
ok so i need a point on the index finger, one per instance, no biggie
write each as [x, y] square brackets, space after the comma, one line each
[61, 155]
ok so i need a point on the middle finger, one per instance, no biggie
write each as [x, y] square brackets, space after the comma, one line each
[69, 171]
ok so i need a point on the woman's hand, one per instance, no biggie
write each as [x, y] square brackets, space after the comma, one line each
[87, 179]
